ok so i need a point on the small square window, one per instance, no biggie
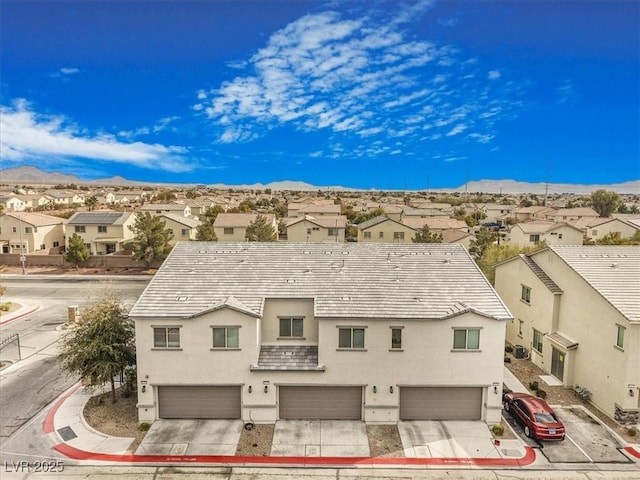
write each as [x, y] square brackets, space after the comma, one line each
[80, 229]
[185, 232]
[367, 234]
[102, 229]
[398, 235]
[381, 234]
[534, 238]
[333, 232]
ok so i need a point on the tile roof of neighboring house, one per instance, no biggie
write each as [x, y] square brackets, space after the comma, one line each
[613, 271]
[372, 222]
[339, 221]
[580, 211]
[312, 208]
[176, 207]
[37, 219]
[534, 209]
[181, 219]
[541, 274]
[419, 281]
[99, 218]
[451, 235]
[423, 212]
[541, 226]
[240, 219]
[434, 223]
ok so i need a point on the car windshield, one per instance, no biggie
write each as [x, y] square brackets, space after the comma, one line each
[545, 418]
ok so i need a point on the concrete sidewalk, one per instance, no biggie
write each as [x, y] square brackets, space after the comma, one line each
[512, 383]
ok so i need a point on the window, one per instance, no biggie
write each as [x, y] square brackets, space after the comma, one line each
[367, 234]
[398, 235]
[620, 337]
[102, 229]
[537, 340]
[166, 337]
[28, 230]
[14, 229]
[534, 238]
[526, 294]
[228, 231]
[396, 338]
[333, 232]
[56, 244]
[560, 236]
[42, 246]
[185, 232]
[351, 337]
[308, 231]
[291, 327]
[226, 337]
[520, 327]
[80, 229]
[466, 339]
[380, 234]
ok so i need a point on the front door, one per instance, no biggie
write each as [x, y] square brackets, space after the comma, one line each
[557, 364]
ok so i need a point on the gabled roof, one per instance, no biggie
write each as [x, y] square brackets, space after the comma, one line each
[181, 219]
[372, 222]
[240, 219]
[174, 207]
[434, 223]
[419, 281]
[36, 219]
[541, 226]
[541, 274]
[99, 218]
[327, 221]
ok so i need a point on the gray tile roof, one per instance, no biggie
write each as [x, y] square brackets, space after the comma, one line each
[541, 274]
[345, 280]
[613, 271]
[288, 357]
[98, 218]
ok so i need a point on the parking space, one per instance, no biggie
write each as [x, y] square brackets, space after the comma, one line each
[315, 438]
[587, 439]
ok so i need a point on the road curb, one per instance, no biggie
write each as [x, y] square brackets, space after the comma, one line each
[19, 316]
[48, 425]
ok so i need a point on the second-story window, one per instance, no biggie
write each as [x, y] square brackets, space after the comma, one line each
[166, 337]
[80, 229]
[351, 337]
[333, 232]
[228, 231]
[102, 229]
[226, 337]
[466, 339]
[396, 338]
[620, 337]
[398, 235]
[291, 327]
[525, 294]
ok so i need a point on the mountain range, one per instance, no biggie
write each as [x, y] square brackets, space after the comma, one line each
[33, 175]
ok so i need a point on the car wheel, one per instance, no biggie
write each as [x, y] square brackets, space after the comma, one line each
[527, 431]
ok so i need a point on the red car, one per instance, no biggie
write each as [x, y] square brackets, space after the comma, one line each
[536, 416]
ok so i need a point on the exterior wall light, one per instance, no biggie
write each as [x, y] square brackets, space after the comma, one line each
[391, 389]
[266, 388]
[144, 388]
[250, 389]
[375, 389]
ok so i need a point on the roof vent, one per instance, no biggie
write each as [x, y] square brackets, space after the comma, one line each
[614, 265]
[182, 298]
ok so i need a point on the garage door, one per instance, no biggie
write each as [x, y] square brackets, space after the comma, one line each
[440, 403]
[325, 403]
[199, 402]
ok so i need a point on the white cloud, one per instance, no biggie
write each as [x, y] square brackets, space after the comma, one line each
[461, 127]
[494, 75]
[28, 135]
[69, 71]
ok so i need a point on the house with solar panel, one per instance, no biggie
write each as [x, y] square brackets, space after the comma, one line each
[269, 331]
[104, 232]
[576, 311]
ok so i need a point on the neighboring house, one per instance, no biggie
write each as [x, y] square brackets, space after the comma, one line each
[572, 214]
[409, 212]
[296, 209]
[329, 209]
[13, 203]
[232, 227]
[103, 231]
[30, 232]
[268, 331]
[525, 214]
[577, 309]
[436, 224]
[598, 228]
[496, 212]
[160, 208]
[324, 229]
[64, 197]
[528, 234]
[105, 198]
[182, 228]
[383, 229]
[456, 236]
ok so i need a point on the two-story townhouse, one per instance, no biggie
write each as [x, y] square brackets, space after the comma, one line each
[536, 212]
[597, 228]
[382, 229]
[160, 208]
[571, 214]
[268, 331]
[301, 207]
[103, 231]
[315, 210]
[310, 229]
[232, 227]
[577, 310]
[183, 229]
[30, 232]
[528, 234]
[436, 224]
[496, 212]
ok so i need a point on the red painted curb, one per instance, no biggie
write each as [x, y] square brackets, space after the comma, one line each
[48, 424]
[632, 451]
[77, 454]
[20, 316]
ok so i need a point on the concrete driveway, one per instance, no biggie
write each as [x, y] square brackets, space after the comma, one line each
[587, 439]
[450, 439]
[320, 438]
[191, 437]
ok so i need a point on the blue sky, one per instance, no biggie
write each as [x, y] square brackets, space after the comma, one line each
[362, 94]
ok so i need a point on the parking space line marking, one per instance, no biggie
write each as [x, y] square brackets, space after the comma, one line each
[578, 447]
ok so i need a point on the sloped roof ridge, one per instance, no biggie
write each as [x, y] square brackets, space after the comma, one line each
[541, 274]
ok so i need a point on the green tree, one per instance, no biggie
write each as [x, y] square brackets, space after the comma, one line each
[605, 202]
[151, 239]
[484, 238]
[260, 231]
[77, 252]
[493, 255]
[425, 235]
[205, 231]
[91, 202]
[165, 196]
[191, 194]
[614, 238]
[102, 346]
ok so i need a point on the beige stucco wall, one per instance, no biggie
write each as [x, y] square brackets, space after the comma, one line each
[120, 233]
[177, 228]
[47, 235]
[238, 234]
[570, 236]
[427, 359]
[625, 230]
[306, 231]
[387, 229]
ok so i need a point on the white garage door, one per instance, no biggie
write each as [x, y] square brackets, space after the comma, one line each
[324, 403]
[199, 402]
[440, 403]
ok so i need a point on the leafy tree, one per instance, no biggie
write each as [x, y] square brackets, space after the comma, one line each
[614, 238]
[484, 238]
[363, 217]
[77, 252]
[165, 196]
[91, 202]
[191, 194]
[205, 231]
[102, 346]
[493, 255]
[424, 235]
[260, 231]
[605, 202]
[151, 240]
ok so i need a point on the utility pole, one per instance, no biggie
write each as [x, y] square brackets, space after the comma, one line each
[22, 257]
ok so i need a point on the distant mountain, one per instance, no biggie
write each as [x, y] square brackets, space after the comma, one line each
[33, 175]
